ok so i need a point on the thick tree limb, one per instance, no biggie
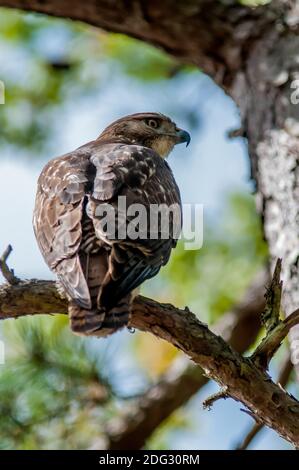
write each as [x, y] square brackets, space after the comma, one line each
[245, 382]
[183, 379]
[211, 34]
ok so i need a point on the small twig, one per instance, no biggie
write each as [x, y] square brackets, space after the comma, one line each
[283, 379]
[251, 414]
[269, 345]
[270, 315]
[276, 329]
[239, 132]
[209, 402]
[7, 273]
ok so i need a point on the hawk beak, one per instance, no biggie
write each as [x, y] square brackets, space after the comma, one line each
[183, 136]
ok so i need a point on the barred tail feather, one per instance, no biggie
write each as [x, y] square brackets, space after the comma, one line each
[99, 322]
[85, 321]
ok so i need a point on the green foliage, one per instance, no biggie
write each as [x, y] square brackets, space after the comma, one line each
[34, 85]
[52, 394]
[46, 79]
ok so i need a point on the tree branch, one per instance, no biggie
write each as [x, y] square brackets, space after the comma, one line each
[266, 350]
[210, 34]
[245, 382]
[7, 273]
[271, 313]
[283, 379]
[276, 329]
[209, 402]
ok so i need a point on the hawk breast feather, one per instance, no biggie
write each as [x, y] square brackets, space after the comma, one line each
[71, 188]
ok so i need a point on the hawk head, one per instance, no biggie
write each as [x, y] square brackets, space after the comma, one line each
[153, 130]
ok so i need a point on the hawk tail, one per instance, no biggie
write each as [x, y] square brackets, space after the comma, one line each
[99, 321]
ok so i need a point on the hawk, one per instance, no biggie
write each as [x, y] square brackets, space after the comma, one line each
[99, 271]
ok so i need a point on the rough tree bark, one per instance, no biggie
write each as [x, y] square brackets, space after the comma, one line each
[265, 89]
[252, 54]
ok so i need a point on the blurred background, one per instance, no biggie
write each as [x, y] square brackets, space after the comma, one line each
[64, 83]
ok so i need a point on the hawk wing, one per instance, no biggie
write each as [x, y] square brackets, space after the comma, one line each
[142, 177]
[57, 220]
[75, 186]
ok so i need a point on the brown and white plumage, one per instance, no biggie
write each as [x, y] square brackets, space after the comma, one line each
[99, 273]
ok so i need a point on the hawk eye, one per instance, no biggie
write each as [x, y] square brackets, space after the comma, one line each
[152, 123]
